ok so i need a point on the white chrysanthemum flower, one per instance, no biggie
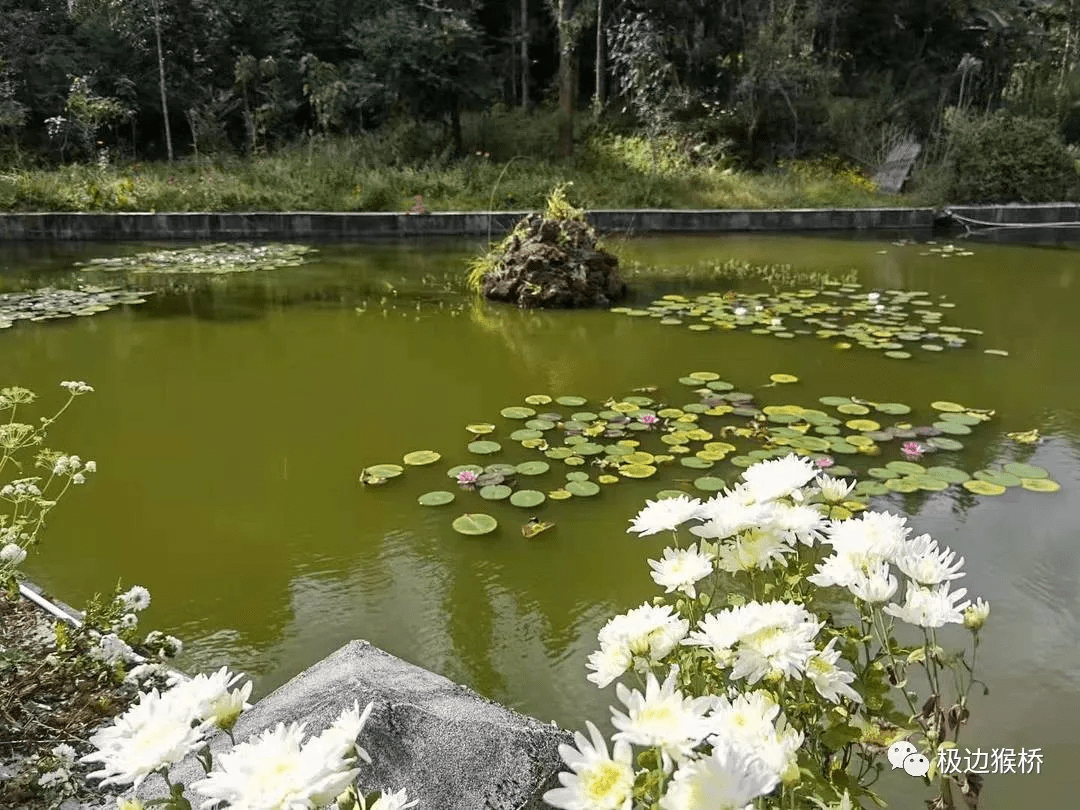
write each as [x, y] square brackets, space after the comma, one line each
[608, 663]
[773, 650]
[65, 753]
[752, 722]
[798, 524]
[875, 585]
[275, 770]
[719, 632]
[680, 569]
[596, 781]
[777, 478]
[12, 553]
[648, 630]
[975, 615]
[394, 801]
[111, 649]
[129, 621]
[753, 549]
[729, 514]
[930, 607]
[154, 733]
[136, 598]
[872, 534]
[54, 777]
[923, 563]
[728, 779]
[339, 739]
[666, 514]
[834, 490]
[662, 717]
[210, 697]
[830, 681]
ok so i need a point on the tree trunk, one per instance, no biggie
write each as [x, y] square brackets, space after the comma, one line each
[566, 79]
[161, 79]
[525, 54]
[598, 97]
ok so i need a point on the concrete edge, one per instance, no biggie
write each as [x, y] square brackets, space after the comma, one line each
[161, 226]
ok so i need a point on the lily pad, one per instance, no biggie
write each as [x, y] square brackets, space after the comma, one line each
[904, 485]
[475, 524]
[453, 472]
[538, 399]
[980, 487]
[526, 434]
[703, 376]
[582, 489]
[945, 443]
[607, 479]
[526, 498]
[480, 429]
[1040, 484]
[906, 467]
[947, 407]
[484, 448]
[892, 408]
[853, 409]
[495, 492]
[898, 355]
[952, 428]
[384, 470]
[533, 468]
[1025, 470]
[437, 498]
[695, 463]
[709, 483]
[1002, 479]
[783, 378]
[571, 402]
[420, 458]
[863, 425]
[559, 495]
[950, 475]
[637, 470]
[518, 412]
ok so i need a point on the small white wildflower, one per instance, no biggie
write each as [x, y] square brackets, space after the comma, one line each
[976, 613]
[78, 478]
[128, 621]
[12, 553]
[57, 777]
[90, 467]
[76, 387]
[135, 599]
[64, 753]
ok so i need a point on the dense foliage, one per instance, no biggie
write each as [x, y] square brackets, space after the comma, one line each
[754, 82]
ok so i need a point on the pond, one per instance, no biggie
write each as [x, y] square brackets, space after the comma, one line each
[234, 414]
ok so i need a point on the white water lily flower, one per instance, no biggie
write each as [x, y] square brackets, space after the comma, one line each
[831, 682]
[154, 733]
[930, 607]
[666, 514]
[923, 563]
[728, 779]
[834, 490]
[596, 781]
[975, 615]
[777, 478]
[662, 717]
[136, 598]
[754, 549]
[679, 569]
[875, 585]
[274, 770]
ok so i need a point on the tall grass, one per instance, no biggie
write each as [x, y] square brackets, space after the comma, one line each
[507, 165]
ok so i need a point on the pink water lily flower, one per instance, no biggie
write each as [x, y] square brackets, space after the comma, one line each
[648, 419]
[466, 477]
[912, 450]
[824, 462]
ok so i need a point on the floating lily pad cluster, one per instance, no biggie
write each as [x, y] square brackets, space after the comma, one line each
[701, 445]
[897, 323]
[50, 303]
[213, 259]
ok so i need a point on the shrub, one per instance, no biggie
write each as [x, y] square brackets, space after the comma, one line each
[1007, 158]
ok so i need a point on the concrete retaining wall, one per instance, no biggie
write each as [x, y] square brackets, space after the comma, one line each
[329, 225]
[1018, 214]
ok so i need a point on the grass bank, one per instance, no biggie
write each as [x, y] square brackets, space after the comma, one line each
[358, 174]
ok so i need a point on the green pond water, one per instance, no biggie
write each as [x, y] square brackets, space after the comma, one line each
[233, 415]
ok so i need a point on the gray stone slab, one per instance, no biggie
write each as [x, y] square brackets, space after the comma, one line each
[449, 747]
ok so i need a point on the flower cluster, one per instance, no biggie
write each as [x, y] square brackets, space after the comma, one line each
[767, 678]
